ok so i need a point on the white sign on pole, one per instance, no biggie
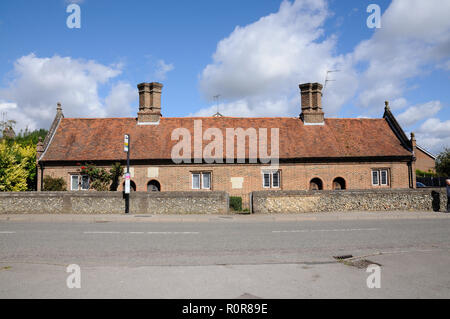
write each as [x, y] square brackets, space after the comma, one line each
[127, 183]
[125, 142]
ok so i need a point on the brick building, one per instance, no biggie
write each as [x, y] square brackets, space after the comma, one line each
[425, 161]
[314, 152]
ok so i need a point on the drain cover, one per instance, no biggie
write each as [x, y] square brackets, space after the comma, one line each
[360, 263]
[342, 257]
[248, 296]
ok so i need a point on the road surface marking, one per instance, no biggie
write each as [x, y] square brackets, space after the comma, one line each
[139, 232]
[102, 232]
[321, 230]
[7, 232]
[172, 232]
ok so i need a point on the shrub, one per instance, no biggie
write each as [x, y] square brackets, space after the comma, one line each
[420, 173]
[116, 172]
[236, 203]
[99, 178]
[102, 180]
[54, 184]
[17, 167]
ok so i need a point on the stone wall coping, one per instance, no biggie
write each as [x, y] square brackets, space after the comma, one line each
[198, 194]
[281, 193]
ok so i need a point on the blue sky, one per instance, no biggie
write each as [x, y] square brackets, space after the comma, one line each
[254, 53]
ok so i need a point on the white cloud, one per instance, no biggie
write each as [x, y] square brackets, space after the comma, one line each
[37, 84]
[162, 68]
[413, 41]
[5, 106]
[261, 64]
[118, 102]
[245, 108]
[268, 58]
[257, 67]
[398, 103]
[413, 37]
[416, 113]
[436, 127]
[434, 134]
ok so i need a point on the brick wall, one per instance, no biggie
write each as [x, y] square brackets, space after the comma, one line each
[91, 202]
[356, 200]
[424, 162]
[242, 179]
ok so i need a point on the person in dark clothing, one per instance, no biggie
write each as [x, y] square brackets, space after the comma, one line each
[448, 195]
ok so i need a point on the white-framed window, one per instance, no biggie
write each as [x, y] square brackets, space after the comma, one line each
[266, 180]
[206, 180]
[79, 182]
[380, 177]
[383, 177]
[271, 179]
[276, 179]
[375, 178]
[201, 180]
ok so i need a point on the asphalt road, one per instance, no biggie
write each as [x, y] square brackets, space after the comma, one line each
[225, 258]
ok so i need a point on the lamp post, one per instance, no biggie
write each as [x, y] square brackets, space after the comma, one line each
[126, 148]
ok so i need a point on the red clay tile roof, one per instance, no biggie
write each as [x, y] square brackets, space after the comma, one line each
[102, 138]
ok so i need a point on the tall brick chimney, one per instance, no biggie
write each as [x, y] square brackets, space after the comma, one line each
[311, 99]
[149, 102]
[39, 149]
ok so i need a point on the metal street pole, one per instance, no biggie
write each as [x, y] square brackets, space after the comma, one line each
[126, 147]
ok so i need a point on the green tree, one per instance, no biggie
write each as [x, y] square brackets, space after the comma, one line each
[18, 153]
[17, 166]
[443, 163]
[30, 138]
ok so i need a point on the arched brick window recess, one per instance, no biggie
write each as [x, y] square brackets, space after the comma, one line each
[339, 183]
[153, 186]
[316, 184]
[132, 186]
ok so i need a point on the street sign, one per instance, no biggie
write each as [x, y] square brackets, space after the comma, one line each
[127, 183]
[125, 142]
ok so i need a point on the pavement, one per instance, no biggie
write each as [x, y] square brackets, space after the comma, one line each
[353, 215]
[226, 256]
